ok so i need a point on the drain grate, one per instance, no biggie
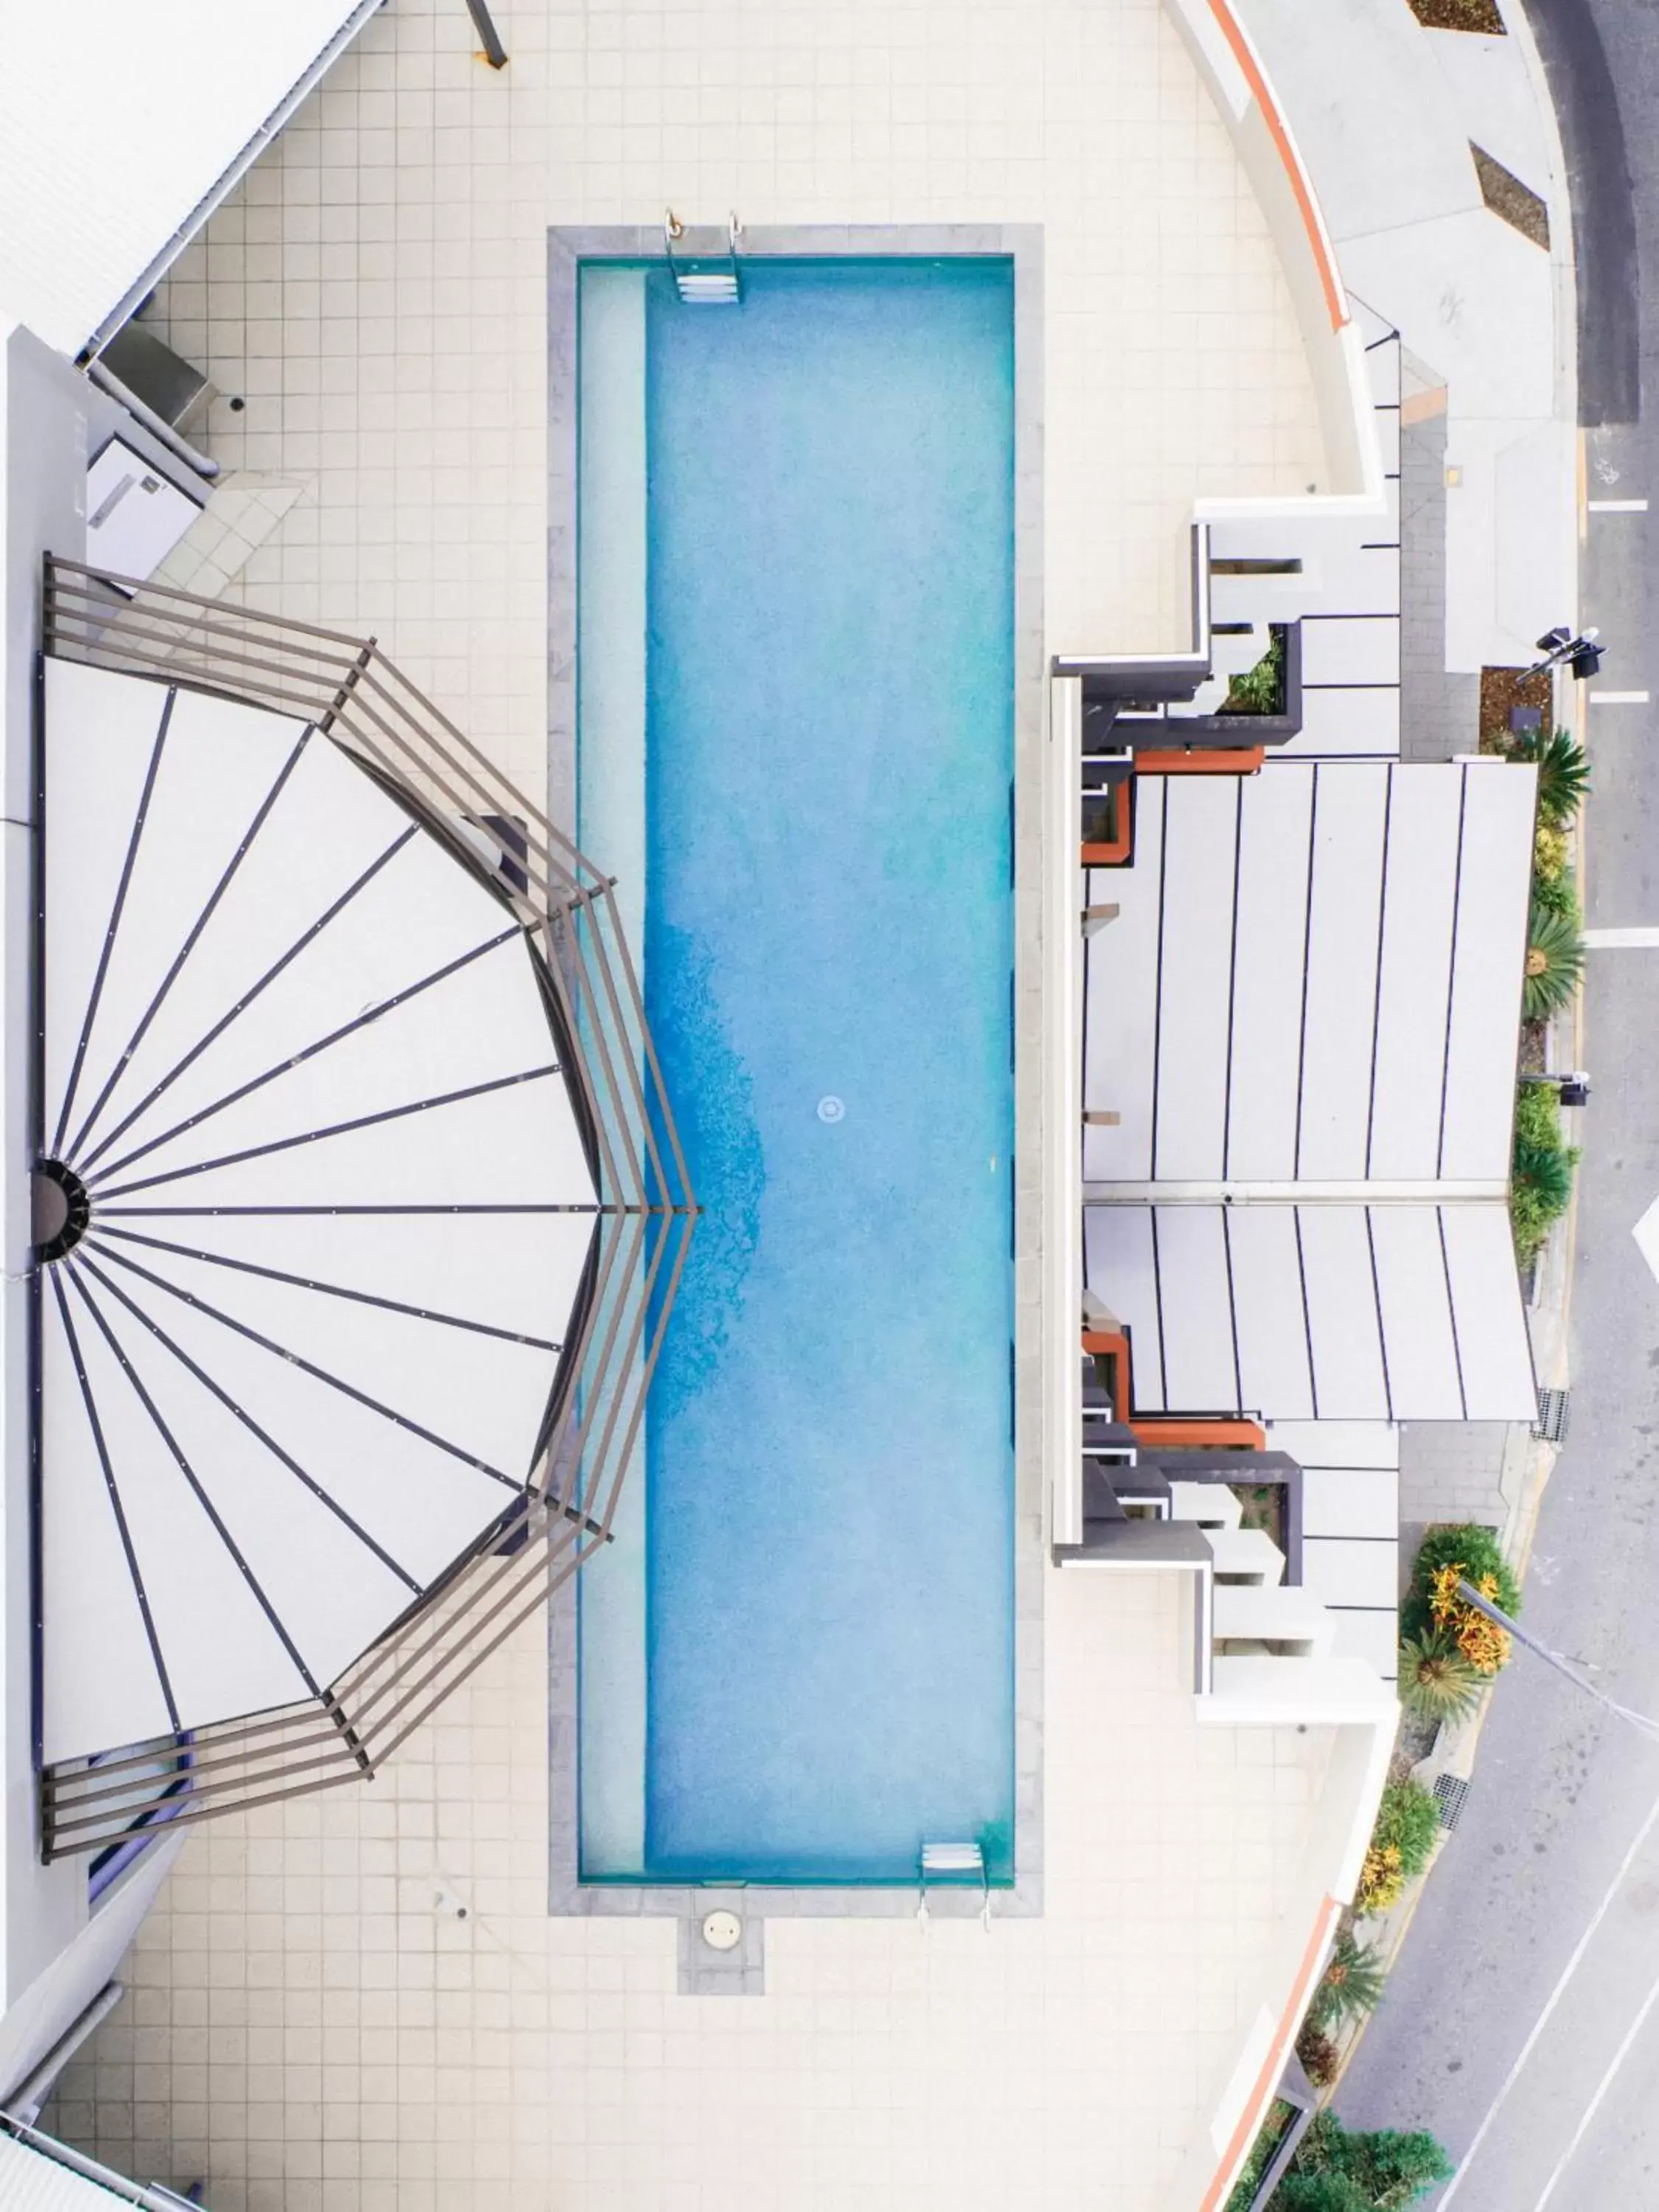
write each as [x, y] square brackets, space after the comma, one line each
[1551, 1427]
[1451, 1790]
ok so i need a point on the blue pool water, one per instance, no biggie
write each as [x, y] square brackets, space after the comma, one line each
[828, 956]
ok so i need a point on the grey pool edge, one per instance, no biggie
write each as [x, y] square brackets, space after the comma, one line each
[567, 1895]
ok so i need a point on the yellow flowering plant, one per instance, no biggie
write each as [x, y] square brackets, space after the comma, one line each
[1482, 1642]
[1381, 1879]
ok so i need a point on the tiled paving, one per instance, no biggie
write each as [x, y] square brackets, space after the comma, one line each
[1454, 1471]
[376, 290]
[311, 2028]
[310, 2025]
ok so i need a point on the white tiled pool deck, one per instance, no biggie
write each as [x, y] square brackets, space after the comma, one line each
[309, 2031]
[306, 2029]
[377, 288]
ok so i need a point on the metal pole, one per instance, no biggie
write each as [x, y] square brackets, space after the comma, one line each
[493, 52]
[1510, 1626]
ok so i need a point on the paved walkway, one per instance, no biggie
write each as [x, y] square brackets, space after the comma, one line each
[311, 2028]
[1386, 114]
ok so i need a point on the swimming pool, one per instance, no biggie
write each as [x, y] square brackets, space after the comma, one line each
[796, 752]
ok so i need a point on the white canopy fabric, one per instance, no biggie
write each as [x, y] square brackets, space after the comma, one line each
[116, 122]
[300, 1075]
[1324, 1312]
[1315, 973]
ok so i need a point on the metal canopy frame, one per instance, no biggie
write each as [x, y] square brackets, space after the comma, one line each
[347, 688]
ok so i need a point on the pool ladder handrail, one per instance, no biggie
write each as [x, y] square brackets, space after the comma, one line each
[953, 1863]
[704, 287]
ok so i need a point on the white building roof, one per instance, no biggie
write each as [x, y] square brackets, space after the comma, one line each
[1305, 1018]
[300, 1358]
[118, 123]
[1315, 974]
[1322, 1312]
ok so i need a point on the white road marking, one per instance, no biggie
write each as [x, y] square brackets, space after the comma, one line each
[1550, 2002]
[1618, 940]
[1617, 506]
[1619, 698]
[1602, 2088]
[1646, 1233]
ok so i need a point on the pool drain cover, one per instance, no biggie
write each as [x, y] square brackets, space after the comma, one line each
[722, 1931]
[831, 1109]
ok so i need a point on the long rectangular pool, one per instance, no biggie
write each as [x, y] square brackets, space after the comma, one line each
[796, 753]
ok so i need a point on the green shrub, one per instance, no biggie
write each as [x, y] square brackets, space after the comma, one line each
[1351, 1988]
[1564, 775]
[1262, 2153]
[1546, 1170]
[1318, 2192]
[1437, 1682]
[1540, 1184]
[1537, 1115]
[1318, 2055]
[1384, 2170]
[1470, 1546]
[1408, 1820]
[1261, 690]
[1555, 960]
[1557, 895]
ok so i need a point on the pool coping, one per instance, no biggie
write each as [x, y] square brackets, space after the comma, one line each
[1022, 243]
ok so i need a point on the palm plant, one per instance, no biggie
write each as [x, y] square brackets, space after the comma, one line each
[1544, 1172]
[1555, 960]
[1437, 1682]
[1563, 774]
[1352, 1986]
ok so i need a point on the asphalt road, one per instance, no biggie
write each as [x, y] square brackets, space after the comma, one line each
[1521, 2024]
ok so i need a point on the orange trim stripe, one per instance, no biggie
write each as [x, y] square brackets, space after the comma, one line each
[1179, 1431]
[1200, 1434]
[1273, 2065]
[1216, 760]
[1106, 851]
[1334, 299]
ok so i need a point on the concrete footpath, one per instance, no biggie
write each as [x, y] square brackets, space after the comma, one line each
[1387, 116]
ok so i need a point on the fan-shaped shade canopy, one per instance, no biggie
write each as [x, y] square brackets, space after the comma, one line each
[315, 1210]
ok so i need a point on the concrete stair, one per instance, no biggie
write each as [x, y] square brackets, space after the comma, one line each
[1246, 1558]
[1250, 1622]
[1210, 1504]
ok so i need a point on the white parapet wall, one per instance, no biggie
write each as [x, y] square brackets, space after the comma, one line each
[1229, 64]
[1062, 1093]
[1345, 1695]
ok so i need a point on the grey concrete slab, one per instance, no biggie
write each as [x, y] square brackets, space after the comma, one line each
[1439, 709]
[1452, 1471]
[704, 1972]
